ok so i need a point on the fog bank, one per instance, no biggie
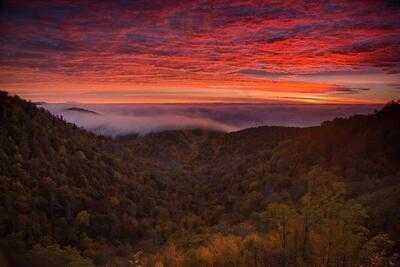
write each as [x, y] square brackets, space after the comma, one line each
[123, 119]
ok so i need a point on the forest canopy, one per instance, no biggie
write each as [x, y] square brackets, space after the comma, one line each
[266, 196]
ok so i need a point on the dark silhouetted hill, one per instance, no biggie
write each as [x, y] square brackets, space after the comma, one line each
[82, 110]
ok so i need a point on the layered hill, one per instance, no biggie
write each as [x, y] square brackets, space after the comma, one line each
[82, 110]
[267, 196]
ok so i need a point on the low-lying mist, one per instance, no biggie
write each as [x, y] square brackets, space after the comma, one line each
[123, 119]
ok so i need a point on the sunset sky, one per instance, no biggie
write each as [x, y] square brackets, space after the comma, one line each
[201, 51]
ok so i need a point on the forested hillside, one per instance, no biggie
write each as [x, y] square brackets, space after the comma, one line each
[267, 196]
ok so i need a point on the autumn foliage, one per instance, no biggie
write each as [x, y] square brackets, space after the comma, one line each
[268, 196]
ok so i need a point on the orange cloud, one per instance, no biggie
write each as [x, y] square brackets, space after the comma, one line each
[68, 47]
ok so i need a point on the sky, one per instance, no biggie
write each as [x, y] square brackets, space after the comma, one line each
[239, 51]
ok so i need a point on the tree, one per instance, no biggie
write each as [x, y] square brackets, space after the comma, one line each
[376, 251]
[83, 218]
[252, 251]
[333, 228]
[279, 216]
[55, 256]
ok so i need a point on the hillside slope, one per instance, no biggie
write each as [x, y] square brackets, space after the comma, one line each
[272, 196]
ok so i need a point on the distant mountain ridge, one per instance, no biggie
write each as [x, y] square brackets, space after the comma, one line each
[83, 110]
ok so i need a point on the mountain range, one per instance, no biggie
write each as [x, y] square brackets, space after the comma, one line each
[325, 195]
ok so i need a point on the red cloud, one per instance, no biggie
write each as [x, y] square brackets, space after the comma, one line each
[191, 44]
